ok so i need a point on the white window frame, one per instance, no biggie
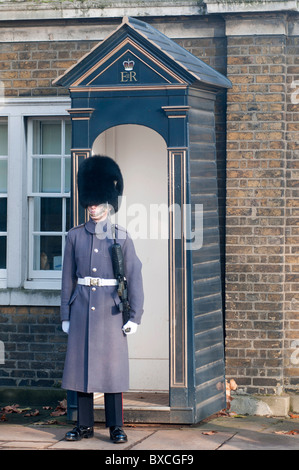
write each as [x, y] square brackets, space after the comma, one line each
[34, 274]
[18, 288]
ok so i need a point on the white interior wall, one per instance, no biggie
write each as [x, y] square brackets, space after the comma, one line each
[142, 156]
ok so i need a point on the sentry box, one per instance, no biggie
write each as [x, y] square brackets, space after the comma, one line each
[144, 100]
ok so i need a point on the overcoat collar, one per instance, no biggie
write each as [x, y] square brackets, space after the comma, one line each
[90, 226]
[104, 226]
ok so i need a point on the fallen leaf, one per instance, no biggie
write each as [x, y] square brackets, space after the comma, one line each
[48, 422]
[58, 413]
[233, 414]
[61, 409]
[32, 413]
[217, 415]
[63, 403]
[293, 432]
[11, 409]
[232, 384]
[209, 433]
[293, 416]
[3, 418]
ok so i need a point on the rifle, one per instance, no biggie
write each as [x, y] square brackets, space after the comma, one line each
[119, 273]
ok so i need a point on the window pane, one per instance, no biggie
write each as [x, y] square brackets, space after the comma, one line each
[3, 176]
[47, 214]
[2, 252]
[51, 138]
[3, 138]
[68, 215]
[67, 182]
[3, 214]
[68, 138]
[46, 175]
[47, 138]
[47, 253]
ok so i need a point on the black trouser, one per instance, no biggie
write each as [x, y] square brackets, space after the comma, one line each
[113, 409]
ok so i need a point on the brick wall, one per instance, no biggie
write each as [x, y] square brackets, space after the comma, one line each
[28, 69]
[291, 363]
[34, 346]
[261, 214]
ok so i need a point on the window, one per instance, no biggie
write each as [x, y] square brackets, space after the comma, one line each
[35, 162]
[3, 194]
[49, 178]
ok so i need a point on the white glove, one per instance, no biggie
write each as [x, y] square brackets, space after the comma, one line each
[130, 328]
[65, 326]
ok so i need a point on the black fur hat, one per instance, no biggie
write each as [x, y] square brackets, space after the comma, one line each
[99, 181]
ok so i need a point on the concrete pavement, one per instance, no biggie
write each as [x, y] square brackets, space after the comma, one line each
[218, 433]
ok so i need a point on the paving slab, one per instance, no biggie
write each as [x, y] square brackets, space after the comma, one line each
[251, 440]
[183, 439]
[256, 423]
[257, 433]
[27, 437]
[30, 433]
[217, 433]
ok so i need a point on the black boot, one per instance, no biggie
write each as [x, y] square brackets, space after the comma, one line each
[78, 433]
[117, 435]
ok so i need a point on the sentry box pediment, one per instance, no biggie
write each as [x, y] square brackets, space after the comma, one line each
[138, 54]
[139, 77]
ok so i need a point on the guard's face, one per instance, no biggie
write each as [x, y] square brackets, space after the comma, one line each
[98, 213]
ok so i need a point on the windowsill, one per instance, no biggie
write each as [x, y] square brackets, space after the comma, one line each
[43, 284]
[44, 294]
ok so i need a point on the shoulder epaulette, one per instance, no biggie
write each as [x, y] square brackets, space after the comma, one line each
[76, 227]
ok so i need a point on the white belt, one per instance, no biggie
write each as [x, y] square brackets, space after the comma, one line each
[96, 281]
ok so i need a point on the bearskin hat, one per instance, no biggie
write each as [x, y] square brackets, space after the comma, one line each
[99, 181]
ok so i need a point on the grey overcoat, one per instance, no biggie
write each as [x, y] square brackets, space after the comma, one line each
[97, 351]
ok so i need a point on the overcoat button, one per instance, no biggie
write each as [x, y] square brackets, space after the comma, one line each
[96, 250]
[94, 269]
[93, 308]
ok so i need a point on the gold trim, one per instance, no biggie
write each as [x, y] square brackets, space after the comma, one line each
[171, 269]
[80, 110]
[84, 113]
[80, 118]
[176, 148]
[170, 110]
[128, 51]
[76, 153]
[175, 86]
[178, 116]
[114, 51]
[176, 108]
[174, 347]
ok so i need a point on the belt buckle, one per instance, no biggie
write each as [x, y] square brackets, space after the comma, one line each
[93, 281]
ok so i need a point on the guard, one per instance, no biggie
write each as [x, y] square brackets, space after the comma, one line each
[97, 350]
